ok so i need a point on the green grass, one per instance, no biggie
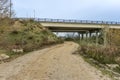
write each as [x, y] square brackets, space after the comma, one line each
[25, 34]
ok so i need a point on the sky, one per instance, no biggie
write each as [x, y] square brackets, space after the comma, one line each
[100, 10]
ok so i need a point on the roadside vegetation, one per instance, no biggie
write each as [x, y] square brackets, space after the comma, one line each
[17, 37]
[107, 59]
[104, 57]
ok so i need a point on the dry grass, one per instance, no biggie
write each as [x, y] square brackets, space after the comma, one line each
[25, 34]
[104, 55]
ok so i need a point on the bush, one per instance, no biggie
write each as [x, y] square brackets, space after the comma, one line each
[104, 55]
[117, 69]
[14, 32]
[69, 39]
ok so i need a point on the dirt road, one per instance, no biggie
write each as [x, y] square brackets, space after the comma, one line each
[53, 63]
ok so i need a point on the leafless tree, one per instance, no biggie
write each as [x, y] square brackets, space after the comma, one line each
[6, 8]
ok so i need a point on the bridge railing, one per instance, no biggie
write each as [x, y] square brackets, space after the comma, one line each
[76, 21]
[71, 21]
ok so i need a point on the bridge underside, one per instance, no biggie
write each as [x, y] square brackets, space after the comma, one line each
[85, 31]
[75, 29]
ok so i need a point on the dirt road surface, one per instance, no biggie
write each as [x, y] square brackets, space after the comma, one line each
[53, 63]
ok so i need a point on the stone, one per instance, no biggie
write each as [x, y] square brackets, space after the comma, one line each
[112, 66]
[4, 56]
[17, 50]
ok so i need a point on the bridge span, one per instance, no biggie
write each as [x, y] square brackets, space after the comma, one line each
[82, 27]
[61, 25]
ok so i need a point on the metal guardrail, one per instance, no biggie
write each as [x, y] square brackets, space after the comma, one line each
[76, 21]
[72, 21]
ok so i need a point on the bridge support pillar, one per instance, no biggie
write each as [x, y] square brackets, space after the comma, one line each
[57, 33]
[96, 37]
[90, 34]
[79, 35]
[82, 36]
[73, 35]
[87, 35]
[106, 30]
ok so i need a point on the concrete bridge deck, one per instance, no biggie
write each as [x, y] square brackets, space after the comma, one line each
[61, 25]
[82, 27]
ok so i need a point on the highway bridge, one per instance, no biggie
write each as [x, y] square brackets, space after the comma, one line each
[64, 25]
[82, 27]
[61, 25]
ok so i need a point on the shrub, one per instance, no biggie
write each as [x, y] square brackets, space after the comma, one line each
[14, 32]
[104, 55]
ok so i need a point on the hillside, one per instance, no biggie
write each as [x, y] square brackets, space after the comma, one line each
[26, 35]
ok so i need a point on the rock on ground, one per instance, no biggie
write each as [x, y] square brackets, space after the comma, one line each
[4, 56]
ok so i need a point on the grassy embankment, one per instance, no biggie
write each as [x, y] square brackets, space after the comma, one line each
[27, 35]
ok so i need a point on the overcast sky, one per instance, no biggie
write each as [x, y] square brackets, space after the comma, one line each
[107, 10]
